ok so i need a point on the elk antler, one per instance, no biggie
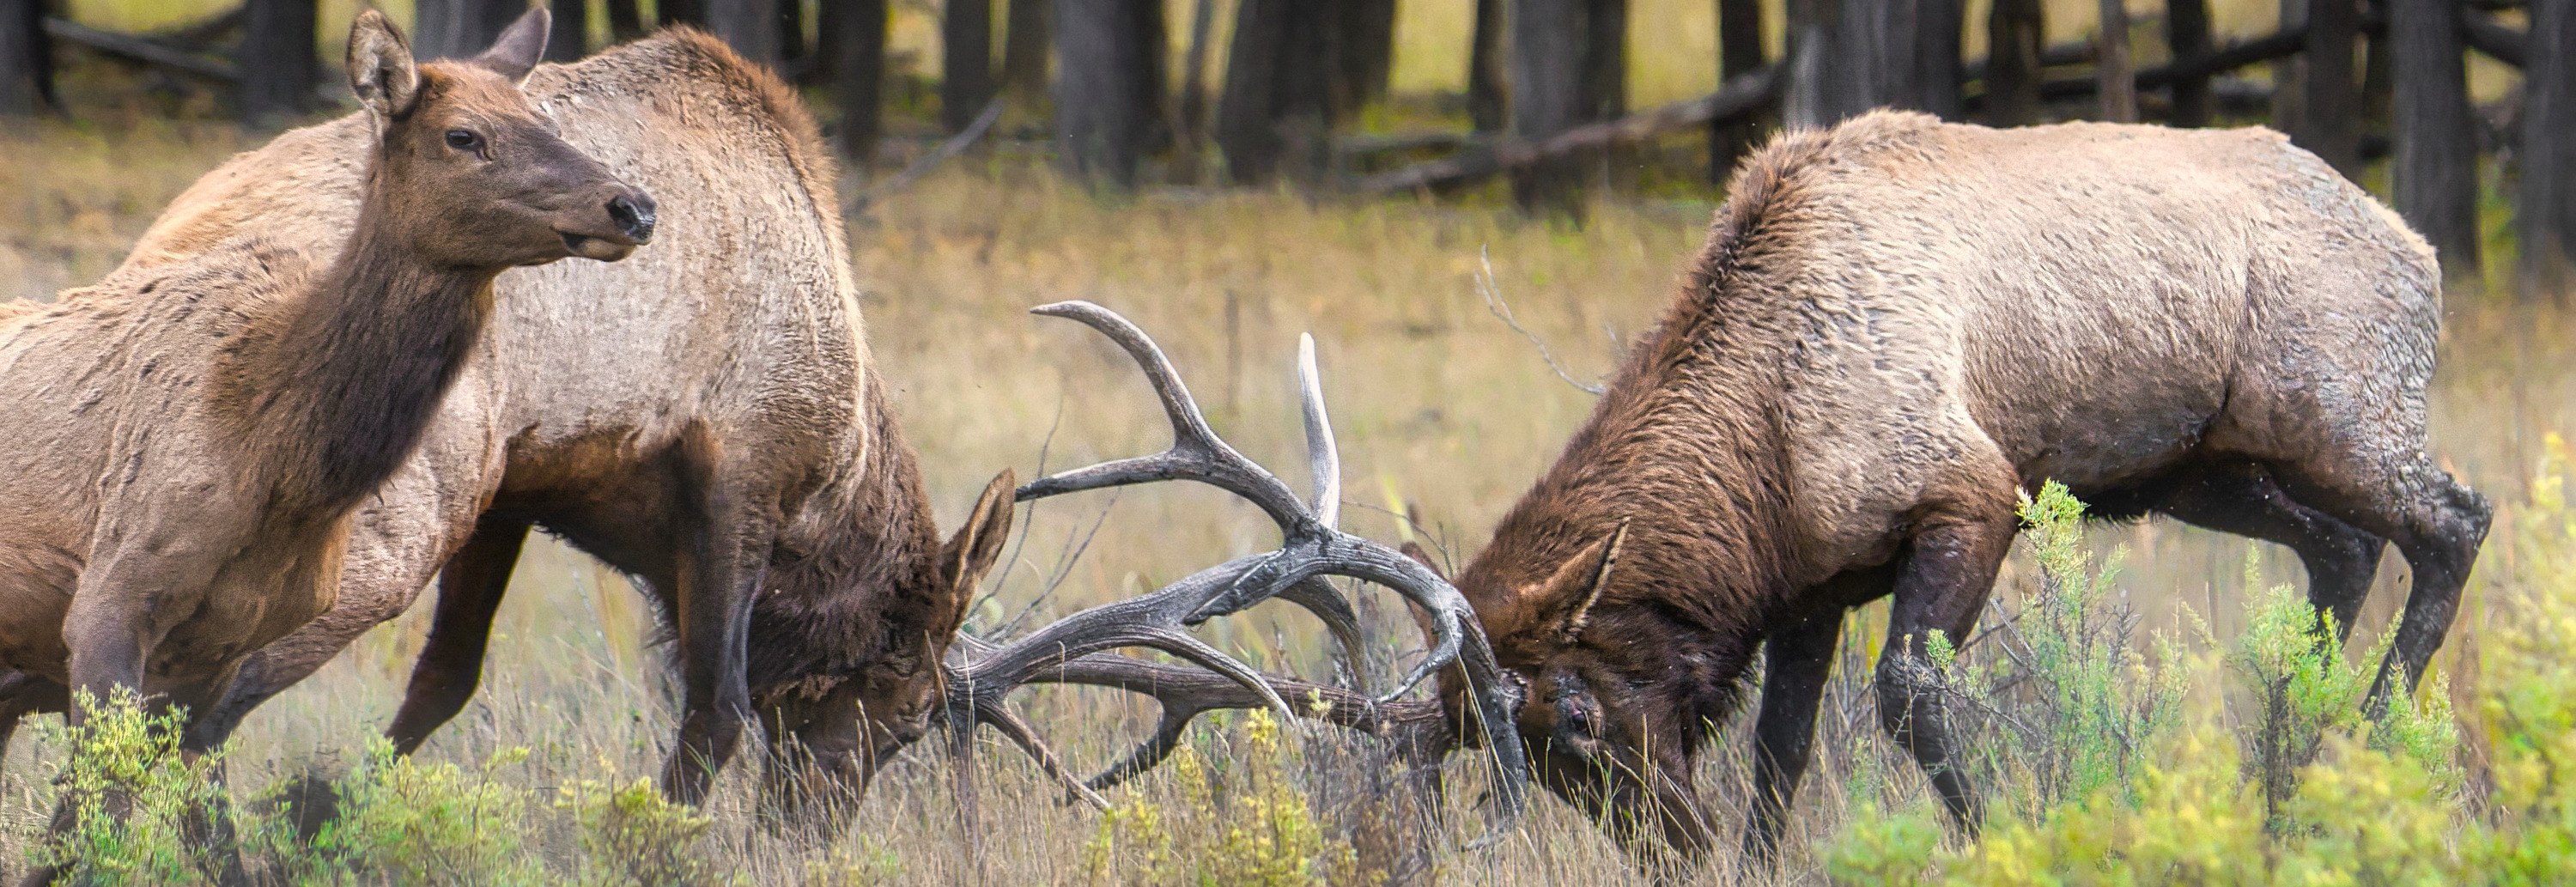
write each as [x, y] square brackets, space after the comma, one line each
[1311, 548]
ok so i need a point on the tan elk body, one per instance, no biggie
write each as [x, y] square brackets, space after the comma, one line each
[189, 440]
[708, 400]
[1896, 324]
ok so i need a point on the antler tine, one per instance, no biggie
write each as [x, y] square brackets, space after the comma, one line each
[1196, 452]
[1018, 731]
[1324, 456]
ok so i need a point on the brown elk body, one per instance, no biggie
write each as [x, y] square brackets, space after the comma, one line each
[189, 441]
[703, 416]
[1895, 325]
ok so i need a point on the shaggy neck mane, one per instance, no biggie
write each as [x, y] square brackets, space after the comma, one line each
[339, 381]
[864, 581]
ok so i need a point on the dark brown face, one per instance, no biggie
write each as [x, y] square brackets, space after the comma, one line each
[473, 175]
[1611, 705]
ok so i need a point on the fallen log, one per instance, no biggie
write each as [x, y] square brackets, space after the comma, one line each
[136, 49]
[2290, 41]
[1746, 93]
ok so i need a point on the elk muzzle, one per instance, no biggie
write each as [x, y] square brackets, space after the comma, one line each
[625, 221]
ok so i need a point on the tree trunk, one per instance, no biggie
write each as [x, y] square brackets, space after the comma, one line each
[749, 26]
[682, 12]
[1605, 60]
[2014, 37]
[2119, 83]
[2436, 169]
[277, 59]
[1364, 47]
[2187, 32]
[791, 33]
[1190, 125]
[1854, 55]
[857, 32]
[1108, 85]
[1279, 101]
[446, 29]
[2330, 121]
[2378, 93]
[1739, 49]
[2545, 208]
[1937, 26]
[26, 58]
[965, 61]
[1549, 44]
[1487, 98]
[626, 20]
[2290, 74]
[570, 36]
[1024, 46]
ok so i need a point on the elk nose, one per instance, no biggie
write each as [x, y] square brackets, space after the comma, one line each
[633, 215]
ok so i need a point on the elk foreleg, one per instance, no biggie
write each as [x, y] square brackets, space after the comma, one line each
[722, 564]
[1796, 660]
[450, 667]
[1949, 569]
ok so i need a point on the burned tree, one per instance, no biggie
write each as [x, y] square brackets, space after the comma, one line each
[571, 35]
[965, 61]
[2545, 208]
[1108, 85]
[749, 26]
[277, 60]
[26, 59]
[2118, 83]
[1024, 47]
[1561, 79]
[856, 32]
[1486, 103]
[1279, 103]
[2436, 168]
[2187, 32]
[2015, 35]
[2330, 115]
[1739, 51]
[446, 29]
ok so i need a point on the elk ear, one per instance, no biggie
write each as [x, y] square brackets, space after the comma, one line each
[381, 72]
[971, 552]
[1563, 604]
[519, 47]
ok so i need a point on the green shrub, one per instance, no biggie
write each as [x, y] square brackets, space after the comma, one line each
[632, 837]
[1258, 829]
[406, 823]
[140, 808]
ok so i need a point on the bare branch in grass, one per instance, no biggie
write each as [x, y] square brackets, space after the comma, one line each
[1494, 302]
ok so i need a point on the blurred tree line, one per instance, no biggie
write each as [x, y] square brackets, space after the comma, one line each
[1545, 87]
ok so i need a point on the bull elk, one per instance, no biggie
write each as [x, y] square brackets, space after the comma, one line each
[705, 416]
[1895, 325]
[190, 441]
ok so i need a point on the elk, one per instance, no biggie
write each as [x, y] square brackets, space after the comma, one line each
[192, 440]
[705, 417]
[1851, 387]
[195, 436]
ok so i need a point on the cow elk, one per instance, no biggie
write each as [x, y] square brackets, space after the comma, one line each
[190, 441]
[704, 417]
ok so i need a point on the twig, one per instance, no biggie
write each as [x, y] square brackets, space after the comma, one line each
[955, 145]
[1494, 303]
[1028, 514]
[1064, 568]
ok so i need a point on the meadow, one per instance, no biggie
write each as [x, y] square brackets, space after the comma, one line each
[2149, 718]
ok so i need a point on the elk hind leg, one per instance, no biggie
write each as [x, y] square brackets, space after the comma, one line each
[470, 587]
[2241, 497]
[2434, 521]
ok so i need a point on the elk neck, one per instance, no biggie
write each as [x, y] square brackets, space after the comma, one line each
[340, 380]
[858, 578]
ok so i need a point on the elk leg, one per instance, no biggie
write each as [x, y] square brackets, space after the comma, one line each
[2434, 521]
[2242, 498]
[1948, 570]
[470, 587]
[721, 568]
[1796, 661]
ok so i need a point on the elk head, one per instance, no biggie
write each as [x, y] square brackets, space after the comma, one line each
[468, 173]
[829, 735]
[1614, 694]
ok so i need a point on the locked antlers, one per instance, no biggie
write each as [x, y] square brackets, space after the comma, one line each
[1310, 549]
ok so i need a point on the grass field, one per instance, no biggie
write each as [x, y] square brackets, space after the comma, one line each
[1441, 409]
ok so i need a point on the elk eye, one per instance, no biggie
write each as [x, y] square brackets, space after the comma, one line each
[464, 140]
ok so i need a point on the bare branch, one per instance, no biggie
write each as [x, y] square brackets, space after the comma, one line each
[1494, 303]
